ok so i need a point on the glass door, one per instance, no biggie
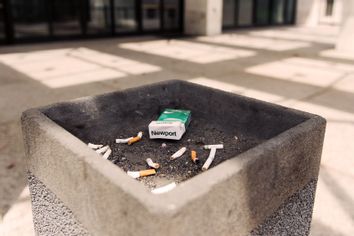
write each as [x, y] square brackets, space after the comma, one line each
[66, 17]
[30, 19]
[245, 13]
[278, 8]
[262, 12]
[2, 24]
[229, 13]
[98, 17]
[125, 16]
[290, 7]
[151, 15]
[171, 15]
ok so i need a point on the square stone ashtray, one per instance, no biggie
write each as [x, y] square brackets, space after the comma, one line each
[262, 182]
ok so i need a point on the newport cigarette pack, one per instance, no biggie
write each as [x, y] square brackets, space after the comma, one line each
[171, 124]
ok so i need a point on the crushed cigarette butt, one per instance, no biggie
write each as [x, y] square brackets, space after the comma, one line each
[136, 139]
[164, 189]
[140, 134]
[125, 140]
[211, 154]
[194, 157]
[94, 146]
[209, 160]
[107, 153]
[163, 145]
[179, 153]
[102, 150]
[152, 164]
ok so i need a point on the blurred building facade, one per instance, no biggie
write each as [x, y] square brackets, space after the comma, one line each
[43, 20]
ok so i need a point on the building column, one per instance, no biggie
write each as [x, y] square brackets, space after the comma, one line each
[345, 42]
[308, 12]
[203, 17]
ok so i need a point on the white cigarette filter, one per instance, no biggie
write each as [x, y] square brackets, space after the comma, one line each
[134, 174]
[107, 153]
[216, 146]
[94, 146]
[164, 189]
[152, 164]
[102, 150]
[140, 134]
[210, 159]
[179, 153]
[123, 140]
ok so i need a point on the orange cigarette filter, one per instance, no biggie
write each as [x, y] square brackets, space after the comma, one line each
[194, 156]
[147, 172]
[134, 140]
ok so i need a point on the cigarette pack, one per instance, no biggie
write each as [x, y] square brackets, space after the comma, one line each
[171, 124]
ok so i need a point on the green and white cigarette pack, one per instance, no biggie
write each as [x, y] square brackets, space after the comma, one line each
[171, 124]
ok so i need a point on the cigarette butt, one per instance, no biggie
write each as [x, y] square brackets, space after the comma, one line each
[152, 164]
[164, 189]
[140, 134]
[123, 140]
[194, 157]
[137, 174]
[209, 160]
[179, 153]
[102, 150]
[107, 153]
[94, 146]
[147, 172]
[133, 174]
[216, 146]
[134, 140]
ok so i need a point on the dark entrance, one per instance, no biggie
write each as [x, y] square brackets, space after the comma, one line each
[2, 24]
[40, 20]
[248, 13]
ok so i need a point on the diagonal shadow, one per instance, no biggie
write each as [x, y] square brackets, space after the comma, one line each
[346, 201]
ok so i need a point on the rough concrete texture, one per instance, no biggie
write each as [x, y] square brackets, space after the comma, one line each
[51, 216]
[293, 217]
[247, 188]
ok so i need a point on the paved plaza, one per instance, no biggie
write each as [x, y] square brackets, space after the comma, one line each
[290, 66]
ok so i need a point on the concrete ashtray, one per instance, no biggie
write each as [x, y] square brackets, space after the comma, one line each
[260, 183]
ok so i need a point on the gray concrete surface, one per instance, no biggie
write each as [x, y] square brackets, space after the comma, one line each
[248, 188]
[57, 219]
[304, 89]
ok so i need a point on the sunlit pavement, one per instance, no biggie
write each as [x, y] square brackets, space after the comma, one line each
[295, 67]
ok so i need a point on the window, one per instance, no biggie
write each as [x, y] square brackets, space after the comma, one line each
[329, 7]
[98, 18]
[30, 18]
[125, 18]
[151, 15]
[262, 12]
[245, 13]
[171, 13]
[278, 11]
[66, 17]
[228, 19]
